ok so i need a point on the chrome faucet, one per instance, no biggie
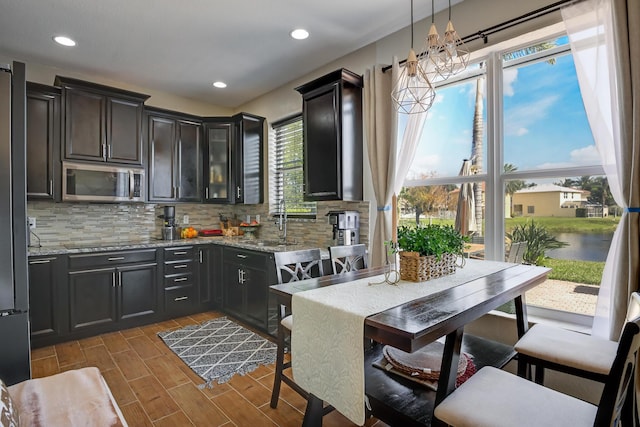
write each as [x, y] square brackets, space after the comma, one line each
[282, 220]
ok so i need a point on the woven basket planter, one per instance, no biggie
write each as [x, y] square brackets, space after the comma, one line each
[416, 268]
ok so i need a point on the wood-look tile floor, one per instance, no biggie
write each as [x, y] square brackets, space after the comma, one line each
[153, 387]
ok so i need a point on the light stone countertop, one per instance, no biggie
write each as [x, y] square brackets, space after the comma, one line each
[239, 242]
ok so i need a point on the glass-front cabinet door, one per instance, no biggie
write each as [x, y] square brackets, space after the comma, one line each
[217, 177]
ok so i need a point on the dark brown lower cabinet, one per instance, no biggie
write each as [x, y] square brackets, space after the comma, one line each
[246, 276]
[110, 295]
[47, 316]
[112, 290]
[210, 277]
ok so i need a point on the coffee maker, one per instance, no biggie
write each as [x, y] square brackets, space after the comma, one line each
[169, 228]
[346, 227]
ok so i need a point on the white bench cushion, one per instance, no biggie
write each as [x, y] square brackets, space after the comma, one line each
[568, 348]
[79, 398]
[287, 322]
[495, 398]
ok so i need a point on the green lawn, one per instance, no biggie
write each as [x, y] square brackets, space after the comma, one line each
[553, 224]
[588, 272]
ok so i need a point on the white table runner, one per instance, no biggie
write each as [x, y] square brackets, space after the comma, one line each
[327, 337]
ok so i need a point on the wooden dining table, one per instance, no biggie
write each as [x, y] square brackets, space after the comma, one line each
[414, 324]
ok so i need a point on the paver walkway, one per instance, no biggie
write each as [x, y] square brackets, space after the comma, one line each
[566, 296]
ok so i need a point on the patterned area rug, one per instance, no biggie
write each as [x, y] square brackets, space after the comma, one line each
[220, 348]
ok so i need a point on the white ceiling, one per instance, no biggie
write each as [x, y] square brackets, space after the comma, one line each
[182, 47]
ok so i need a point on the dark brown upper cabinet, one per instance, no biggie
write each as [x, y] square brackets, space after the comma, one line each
[332, 121]
[233, 158]
[101, 123]
[43, 141]
[175, 156]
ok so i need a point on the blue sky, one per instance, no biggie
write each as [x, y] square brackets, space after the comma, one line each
[544, 122]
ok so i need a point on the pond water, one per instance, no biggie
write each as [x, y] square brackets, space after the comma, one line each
[587, 247]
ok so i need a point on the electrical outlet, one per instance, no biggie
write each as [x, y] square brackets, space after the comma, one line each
[32, 222]
[185, 219]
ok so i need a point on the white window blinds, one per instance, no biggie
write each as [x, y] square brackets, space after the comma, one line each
[286, 176]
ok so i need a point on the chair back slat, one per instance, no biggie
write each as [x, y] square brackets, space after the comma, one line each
[516, 252]
[292, 266]
[614, 406]
[348, 258]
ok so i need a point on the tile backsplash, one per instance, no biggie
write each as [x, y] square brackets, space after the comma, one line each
[77, 223]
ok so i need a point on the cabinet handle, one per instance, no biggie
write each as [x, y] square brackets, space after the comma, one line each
[200, 254]
[113, 279]
[241, 275]
[241, 255]
[180, 279]
[238, 192]
[115, 258]
[177, 192]
[51, 187]
[109, 151]
[41, 261]
[180, 298]
[104, 151]
[180, 266]
[120, 278]
[180, 253]
[206, 193]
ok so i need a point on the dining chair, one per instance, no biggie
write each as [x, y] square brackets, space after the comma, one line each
[516, 252]
[291, 266]
[571, 352]
[496, 398]
[348, 258]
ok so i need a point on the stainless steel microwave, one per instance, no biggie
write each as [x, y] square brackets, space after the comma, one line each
[102, 183]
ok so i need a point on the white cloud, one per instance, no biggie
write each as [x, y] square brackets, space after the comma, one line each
[522, 116]
[509, 77]
[423, 164]
[585, 156]
[522, 131]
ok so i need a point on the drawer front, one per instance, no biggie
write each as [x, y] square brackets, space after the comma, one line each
[179, 267]
[178, 280]
[79, 261]
[179, 299]
[179, 253]
[240, 256]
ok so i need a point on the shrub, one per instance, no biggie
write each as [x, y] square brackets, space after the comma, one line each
[431, 239]
[538, 241]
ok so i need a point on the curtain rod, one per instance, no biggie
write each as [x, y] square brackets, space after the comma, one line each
[484, 34]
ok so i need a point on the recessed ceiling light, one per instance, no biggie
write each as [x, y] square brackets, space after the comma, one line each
[220, 85]
[299, 34]
[64, 41]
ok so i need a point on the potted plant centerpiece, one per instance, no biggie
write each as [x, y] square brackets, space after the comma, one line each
[429, 251]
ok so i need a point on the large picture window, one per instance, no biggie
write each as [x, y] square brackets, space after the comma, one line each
[518, 115]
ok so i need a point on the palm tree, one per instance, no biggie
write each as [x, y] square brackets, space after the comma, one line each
[478, 124]
[476, 151]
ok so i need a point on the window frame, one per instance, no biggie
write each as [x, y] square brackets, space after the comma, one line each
[276, 182]
[493, 175]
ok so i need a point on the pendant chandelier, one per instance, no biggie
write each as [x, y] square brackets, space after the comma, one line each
[454, 56]
[413, 92]
[432, 52]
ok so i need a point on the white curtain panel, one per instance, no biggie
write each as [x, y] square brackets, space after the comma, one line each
[380, 133]
[605, 69]
[410, 139]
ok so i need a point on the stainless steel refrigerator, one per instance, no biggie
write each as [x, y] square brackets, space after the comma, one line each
[14, 292]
